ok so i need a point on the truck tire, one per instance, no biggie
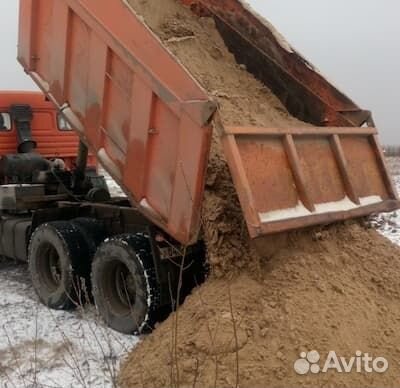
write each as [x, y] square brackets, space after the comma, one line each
[125, 288]
[59, 258]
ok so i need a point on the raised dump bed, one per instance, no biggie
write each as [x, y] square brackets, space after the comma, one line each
[150, 122]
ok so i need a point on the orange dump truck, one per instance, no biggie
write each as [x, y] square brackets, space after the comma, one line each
[149, 122]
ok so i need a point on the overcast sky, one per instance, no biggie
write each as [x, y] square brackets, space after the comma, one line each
[355, 43]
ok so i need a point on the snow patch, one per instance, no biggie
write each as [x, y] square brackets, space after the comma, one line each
[301, 211]
[388, 224]
[45, 348]
[113, 187]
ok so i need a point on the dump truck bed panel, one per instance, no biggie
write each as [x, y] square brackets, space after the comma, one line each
[144, 116]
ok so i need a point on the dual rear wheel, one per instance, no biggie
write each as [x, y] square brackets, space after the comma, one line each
[124, 283]
[70, 261]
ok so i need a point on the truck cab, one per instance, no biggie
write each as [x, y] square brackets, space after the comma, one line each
[54, 137]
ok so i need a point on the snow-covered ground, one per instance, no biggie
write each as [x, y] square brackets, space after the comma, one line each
[115, 190]
[50, 349]
[389, 224]
[42, 348]
[45, 348]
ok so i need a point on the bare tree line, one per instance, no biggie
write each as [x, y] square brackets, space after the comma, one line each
[393, 150]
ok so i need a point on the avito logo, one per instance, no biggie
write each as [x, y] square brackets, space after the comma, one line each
[310, 362]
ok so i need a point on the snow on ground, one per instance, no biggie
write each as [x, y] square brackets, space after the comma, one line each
[51, 349]
[42, 348]
[45, 348]
[389, 224]
[115, 190]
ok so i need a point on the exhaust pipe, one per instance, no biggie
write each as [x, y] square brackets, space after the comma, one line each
[22, 116]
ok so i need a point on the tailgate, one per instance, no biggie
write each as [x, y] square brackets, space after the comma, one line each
[297, 177]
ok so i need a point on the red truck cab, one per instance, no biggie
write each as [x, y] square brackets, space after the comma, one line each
[52, 134]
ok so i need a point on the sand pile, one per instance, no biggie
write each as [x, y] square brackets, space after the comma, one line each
[329, 289]
[336, 289]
